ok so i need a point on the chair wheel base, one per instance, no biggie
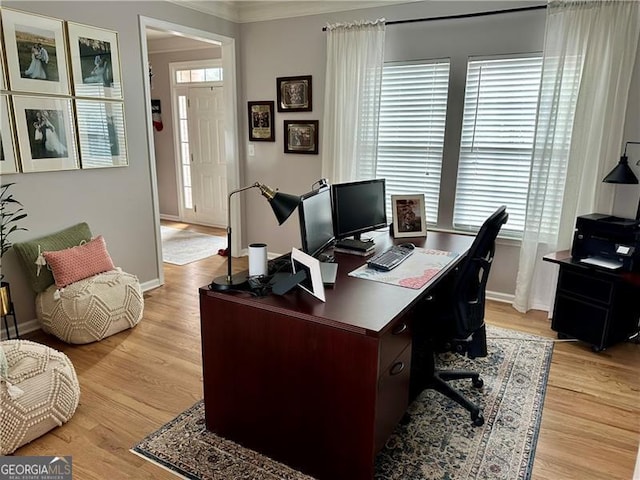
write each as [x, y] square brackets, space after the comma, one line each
[478, 419]
[478, 382]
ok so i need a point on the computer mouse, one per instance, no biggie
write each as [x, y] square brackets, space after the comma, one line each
[408, 245]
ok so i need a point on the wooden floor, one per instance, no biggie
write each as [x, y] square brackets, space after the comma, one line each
[135, 381]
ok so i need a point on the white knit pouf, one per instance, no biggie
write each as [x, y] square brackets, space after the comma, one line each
[48, 393]
[91, 309]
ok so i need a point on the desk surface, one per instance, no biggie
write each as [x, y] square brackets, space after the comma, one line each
[564, 258]
[361, 306]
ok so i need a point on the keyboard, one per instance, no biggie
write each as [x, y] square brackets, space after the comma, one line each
[390, 258]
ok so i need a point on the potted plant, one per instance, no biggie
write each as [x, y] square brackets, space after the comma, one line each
[11, 213]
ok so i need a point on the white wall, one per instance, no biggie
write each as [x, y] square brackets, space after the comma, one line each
[116, 202]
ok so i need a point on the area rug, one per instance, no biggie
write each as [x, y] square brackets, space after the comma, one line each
[439, 441]
[180, 247]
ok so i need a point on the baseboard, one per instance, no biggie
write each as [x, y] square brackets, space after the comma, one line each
[23, 327]
[150, 285]
[170, 218]
[499, 297]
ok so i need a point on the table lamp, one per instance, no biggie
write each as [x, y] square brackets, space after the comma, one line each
[283, 206]
[622, 173]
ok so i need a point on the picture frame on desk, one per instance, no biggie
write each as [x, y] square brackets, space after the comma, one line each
[409, 218]
[313, 281]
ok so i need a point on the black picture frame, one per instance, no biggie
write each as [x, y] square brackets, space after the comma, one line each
[261, 121]
[301, 136]
[294, 94]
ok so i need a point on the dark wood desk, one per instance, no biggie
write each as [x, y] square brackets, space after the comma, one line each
[595, 305]
[317, 386]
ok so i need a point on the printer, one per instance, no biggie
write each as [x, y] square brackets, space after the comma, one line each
[607, 241]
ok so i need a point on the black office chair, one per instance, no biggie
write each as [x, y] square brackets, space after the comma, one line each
[453, 320]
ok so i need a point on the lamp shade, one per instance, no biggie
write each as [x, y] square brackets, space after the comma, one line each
[283, 205]
[622, 173]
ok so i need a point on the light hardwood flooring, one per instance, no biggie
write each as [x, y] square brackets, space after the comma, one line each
[135, 381]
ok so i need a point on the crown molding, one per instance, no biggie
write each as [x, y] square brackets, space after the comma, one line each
[257, 11]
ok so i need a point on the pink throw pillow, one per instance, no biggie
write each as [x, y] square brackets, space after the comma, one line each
[77, 263]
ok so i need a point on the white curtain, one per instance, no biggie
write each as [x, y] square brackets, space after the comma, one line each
[355, 57]
[589, 53]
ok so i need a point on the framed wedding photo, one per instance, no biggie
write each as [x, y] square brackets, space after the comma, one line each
[294, 94]
[261, 122]
[95, 61]
[101, 134]
[301, 136]
[45, 133]
[409, 218]
[8, 161]
[36, 53]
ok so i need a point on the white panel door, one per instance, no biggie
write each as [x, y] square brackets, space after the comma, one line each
[208, 165]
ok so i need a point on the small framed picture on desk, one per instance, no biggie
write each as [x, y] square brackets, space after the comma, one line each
[312, 282]
[409, 218]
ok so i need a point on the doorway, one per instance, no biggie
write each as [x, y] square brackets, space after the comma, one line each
[197, 97]
[227, 99]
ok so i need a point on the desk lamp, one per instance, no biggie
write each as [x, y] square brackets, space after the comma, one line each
[283, 206]
[622, 173]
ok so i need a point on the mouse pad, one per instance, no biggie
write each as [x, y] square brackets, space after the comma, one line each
[414, 272]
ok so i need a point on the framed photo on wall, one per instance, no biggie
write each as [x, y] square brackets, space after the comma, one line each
[294, 93]
[95, 61]
[409, 218]
[45, 133]
[8, 160]
[261, 122]
[301, 136]
[101, 134]
[36, 53]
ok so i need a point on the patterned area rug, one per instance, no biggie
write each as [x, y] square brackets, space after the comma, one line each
[181, 246]
[439, 442]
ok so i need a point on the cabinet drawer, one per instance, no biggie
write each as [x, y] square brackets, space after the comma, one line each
[393, 396]
[587, 286]
[394, 341]
[580, 319]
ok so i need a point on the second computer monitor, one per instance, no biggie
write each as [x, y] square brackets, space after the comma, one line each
[316, 223]
[358, 207]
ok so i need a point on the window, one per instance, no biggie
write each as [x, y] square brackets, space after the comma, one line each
[500, 105]
[199, 75]
[185, 156]
[413, 108]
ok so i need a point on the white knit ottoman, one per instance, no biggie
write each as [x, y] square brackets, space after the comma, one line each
[44, 392]
[91, 309]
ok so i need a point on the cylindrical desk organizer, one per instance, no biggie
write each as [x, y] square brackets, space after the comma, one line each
[257, 259]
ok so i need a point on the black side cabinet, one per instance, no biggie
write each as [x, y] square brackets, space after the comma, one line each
[597, 306]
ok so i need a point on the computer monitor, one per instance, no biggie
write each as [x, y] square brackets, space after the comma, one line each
[316, 221]
[358, 207]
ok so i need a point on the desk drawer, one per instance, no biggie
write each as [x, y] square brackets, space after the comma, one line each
[393, 396]
[586, 286]
[394, 341]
